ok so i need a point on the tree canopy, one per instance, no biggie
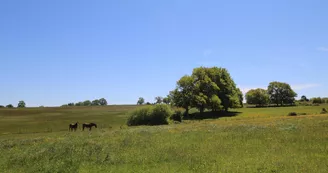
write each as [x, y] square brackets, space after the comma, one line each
[158, 100]
[21, 104]
[141, 101]
[281, 93]
[259, 97]
[207, 88]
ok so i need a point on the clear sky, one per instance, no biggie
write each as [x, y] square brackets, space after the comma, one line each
[55, 52]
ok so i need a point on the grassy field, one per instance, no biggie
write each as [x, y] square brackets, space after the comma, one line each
[253, 140]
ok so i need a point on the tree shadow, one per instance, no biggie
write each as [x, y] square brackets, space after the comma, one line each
[210, 115]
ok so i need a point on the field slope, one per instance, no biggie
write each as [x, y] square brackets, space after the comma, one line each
[255, 140]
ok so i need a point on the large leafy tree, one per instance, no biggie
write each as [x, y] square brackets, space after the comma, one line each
[211, 88]
[204, 89]
[258, 97]
[281, 93]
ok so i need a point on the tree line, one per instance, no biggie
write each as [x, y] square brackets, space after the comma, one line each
[158, 100]
[96, 102]
[278, 93]
[21, 104]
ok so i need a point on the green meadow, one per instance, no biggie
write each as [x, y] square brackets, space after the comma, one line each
[252, 140]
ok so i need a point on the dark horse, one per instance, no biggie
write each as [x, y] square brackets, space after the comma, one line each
[88, 125]
[73, 127]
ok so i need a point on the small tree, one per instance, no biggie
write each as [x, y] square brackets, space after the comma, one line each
[103, 102]
[9, 106]
[141, 101]
[158, 100]
[304, 99]
[21, 104]
[70, 104]
[258, 97]
[1, 106]
[167, 99]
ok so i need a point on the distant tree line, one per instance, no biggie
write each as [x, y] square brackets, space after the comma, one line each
[158, 100]
[21, 104]
[278, 93]
[97, 102]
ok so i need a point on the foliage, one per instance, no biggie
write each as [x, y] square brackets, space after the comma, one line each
[21, 104]
[281, 93]
[70, 104]
[207, 88]
[257, 97]
[292, 114]
[317, 100]
[150, 115]
[87, 103]
[158, 100]
[103, 102]
[182, 95]
[177, 116]
[167, 99]
[304, 99]
[79, 104]
[9, 106]
[95, 102]
[141, 101]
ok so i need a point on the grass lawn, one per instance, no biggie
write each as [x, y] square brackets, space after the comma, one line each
[254, 140]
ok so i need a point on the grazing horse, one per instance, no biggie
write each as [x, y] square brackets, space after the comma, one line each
[88, 125]
[73, 127]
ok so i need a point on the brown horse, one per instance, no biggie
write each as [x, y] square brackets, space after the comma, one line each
[73, 127]
[88, 125]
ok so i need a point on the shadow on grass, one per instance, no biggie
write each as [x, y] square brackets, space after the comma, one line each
[210, 115]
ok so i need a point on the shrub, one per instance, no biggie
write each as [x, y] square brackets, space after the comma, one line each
[1, 106]
[177, 116]
[10, 106]
[150, 115]
[292, 114]
[323, 111]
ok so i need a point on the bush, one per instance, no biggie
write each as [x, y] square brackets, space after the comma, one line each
[323, 111]
[292, 114]
[177, 116]
[150, 115]
[1, 106]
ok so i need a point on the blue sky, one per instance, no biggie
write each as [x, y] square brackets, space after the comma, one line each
[55, 52]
